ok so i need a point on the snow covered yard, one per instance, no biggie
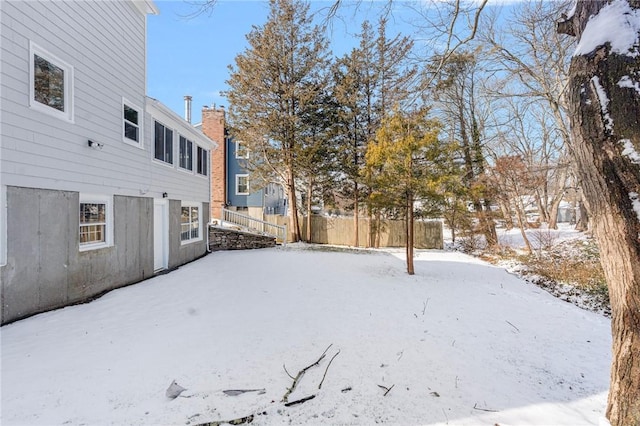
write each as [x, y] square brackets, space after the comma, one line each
[460, 343]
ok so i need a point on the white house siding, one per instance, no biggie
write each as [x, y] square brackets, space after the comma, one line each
[104, 41]
[165, 178]
[46, 165]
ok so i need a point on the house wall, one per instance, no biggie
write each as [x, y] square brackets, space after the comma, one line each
[166, 178]
[45, 269]
[254, 198]
[104, 42]
[46, 165]
[182, 253]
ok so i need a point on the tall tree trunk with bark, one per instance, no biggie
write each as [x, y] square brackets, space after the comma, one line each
[409, 228]
[604, 96]
[309, 198]
[293, 206]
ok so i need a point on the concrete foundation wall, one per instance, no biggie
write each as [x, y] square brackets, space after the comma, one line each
[45, 269]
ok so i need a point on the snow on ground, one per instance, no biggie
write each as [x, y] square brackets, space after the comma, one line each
[539, 237]
[459, 343]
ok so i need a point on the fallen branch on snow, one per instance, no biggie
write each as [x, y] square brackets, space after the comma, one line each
[299, 401]
[236, 392]
[238, 421]
[517, 329]
[387, 390]
[327, 369]
[475, 407]
[296, 379]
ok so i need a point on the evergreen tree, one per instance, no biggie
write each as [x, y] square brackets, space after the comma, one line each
[407, 163]
[273, 83]
[367, 81]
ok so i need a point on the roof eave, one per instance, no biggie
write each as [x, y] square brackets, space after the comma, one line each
[146, 7]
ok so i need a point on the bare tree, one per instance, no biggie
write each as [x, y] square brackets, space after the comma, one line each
[459, 100]
[534, 62]
[604, 103]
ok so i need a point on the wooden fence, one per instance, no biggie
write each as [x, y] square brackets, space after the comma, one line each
[339, 231]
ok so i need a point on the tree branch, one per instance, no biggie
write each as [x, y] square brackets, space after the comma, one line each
[327, 369]
[296, 379]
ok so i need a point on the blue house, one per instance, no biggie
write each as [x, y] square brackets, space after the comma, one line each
[231, 186]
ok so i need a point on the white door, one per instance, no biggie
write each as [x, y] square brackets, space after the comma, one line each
[160, 234]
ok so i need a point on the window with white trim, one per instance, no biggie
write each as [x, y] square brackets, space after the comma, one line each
[190, 229]
[242, 151]
[95, 222]
[131, 123]
[50, 83]
[242, 184]
[163, 139]
[185, 154]
[202, 160]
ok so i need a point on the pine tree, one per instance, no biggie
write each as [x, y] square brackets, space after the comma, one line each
[407, 163]
[274, 81]
[367, 82]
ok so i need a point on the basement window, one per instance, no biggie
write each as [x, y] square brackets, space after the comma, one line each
[96, 221]
[190, 229]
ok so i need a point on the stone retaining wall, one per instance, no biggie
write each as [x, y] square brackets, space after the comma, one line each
[231, 239]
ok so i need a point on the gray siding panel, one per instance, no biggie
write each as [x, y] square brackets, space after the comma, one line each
[105, 43]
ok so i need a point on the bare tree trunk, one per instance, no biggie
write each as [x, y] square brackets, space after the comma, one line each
[506, 214]
[409, 229]
[293, 206]
[583, 221]
[309, 196]
[553, 212]
[606, 141]
[542, 206]
[523, 228]
[356, 207]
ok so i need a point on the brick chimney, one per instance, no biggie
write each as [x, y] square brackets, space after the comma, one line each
[213, 125]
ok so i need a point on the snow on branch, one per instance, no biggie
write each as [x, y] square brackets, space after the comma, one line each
[627, 82]
[617, 24]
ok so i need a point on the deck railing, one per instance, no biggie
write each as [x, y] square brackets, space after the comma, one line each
[252, 224]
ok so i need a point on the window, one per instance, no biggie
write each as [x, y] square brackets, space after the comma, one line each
[241, 150]
[95, 222]
[186, 154]
[163, 143]
[190, 222]
[202, 158]
[131, 123]
[50, 84]
[242, 184]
